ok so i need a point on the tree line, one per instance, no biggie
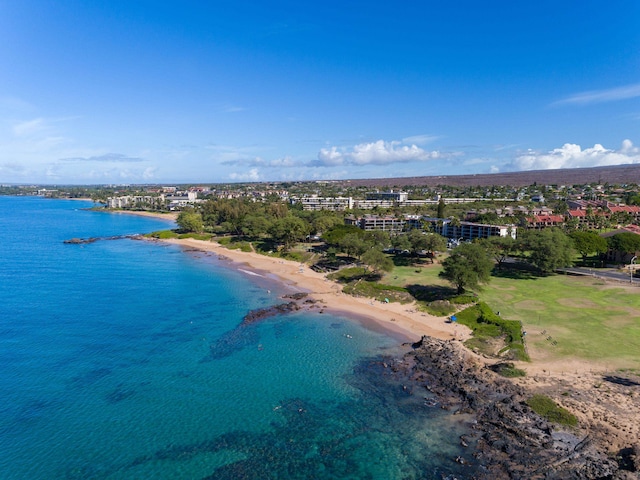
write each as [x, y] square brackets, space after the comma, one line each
[467, 266]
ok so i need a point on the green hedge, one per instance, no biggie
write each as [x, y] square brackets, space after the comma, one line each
[486, 324]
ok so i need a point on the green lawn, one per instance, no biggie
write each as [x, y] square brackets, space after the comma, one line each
[580, 316]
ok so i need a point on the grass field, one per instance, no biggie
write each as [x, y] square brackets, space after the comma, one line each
[564, 316]
[580, 316]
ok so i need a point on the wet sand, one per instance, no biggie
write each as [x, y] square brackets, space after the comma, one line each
[402, 319]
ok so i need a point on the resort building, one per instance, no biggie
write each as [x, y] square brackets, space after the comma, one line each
[137, 201]
[543, 221]
[389, 196]
[314, 202]
[386, 223]
[468, 230]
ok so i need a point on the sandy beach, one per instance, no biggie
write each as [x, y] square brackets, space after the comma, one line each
[606, 403]
[404, 320]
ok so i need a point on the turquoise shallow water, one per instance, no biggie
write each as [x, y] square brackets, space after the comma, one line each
[121, 359]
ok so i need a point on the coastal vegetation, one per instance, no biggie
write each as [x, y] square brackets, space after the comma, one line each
[487, 327]
[550, 411]
[563, 315]
[467, 267]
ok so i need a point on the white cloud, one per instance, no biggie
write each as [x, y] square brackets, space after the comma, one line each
[599, 96]
[250, 176]
[573, 156]
[375, 153]
[107, 157]
[29, 127]
[420, 139]
[284, 162]
[149, 173]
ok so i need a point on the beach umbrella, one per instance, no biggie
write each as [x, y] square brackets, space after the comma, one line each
[454, 318]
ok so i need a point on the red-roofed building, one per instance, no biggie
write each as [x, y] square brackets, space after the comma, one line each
[544, 221]
[587, 218]
[631, 211]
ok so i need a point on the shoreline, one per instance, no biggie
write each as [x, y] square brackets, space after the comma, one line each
[399, 320]
[606, 402]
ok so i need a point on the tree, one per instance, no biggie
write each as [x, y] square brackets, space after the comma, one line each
[377, 239]
[401, 242]
[378, 261]
[324, 222]
[467, 267]
[255, 225]
[441, 208]
[353, 245]
[335, 234]
[500, 248]
[190, 221]
[417, 241]
[550, 249]
[289, 230]
[625, 242]
[434, 243]
[588, 242]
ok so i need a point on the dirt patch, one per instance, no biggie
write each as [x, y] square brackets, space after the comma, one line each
[530, 305]
[621, 321]
[604, 402]
[577, 303]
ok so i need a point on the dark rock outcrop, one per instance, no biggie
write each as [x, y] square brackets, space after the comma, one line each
[262, 313]
[510, 440]
[81, 241]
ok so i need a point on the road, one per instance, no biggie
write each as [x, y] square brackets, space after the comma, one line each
[605, 273]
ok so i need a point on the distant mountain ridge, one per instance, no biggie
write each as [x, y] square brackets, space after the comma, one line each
[617, 174]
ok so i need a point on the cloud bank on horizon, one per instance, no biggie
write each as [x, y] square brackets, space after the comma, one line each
[164, 92]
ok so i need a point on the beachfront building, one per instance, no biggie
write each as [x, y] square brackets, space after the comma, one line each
[181, 200]
[386, 223]
[143, 202]
[457, 230]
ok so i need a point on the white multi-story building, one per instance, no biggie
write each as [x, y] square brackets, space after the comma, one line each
[468, 230]
[136, 201]
[386, 223]
[390, 196]
[314, 202]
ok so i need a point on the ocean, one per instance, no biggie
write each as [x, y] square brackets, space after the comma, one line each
[124, 359]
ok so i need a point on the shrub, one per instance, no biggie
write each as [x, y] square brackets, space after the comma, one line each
[196, 236]
[348, 274]
[464, 299]
[548, 409]
[508, 369]
[486, 325]
[439, 308]
[378, 291]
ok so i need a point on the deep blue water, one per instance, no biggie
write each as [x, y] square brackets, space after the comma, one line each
[122, 359]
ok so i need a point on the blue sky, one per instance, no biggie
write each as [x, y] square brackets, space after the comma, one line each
[233, 91]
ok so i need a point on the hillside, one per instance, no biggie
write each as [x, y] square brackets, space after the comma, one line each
[618, 174]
